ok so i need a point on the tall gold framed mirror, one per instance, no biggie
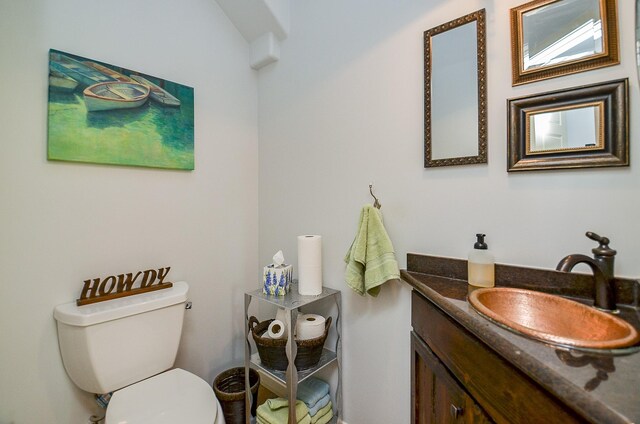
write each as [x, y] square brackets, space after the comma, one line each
[550, 38]
[455, 92]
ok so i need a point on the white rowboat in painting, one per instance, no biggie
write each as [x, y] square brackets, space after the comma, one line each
[158, 94]
[115, 95]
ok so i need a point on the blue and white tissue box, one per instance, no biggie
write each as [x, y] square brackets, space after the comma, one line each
[277, 279]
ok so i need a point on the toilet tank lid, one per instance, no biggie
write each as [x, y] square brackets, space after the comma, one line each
[95, 313]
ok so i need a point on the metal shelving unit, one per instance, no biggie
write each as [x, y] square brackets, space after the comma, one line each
[290, 378]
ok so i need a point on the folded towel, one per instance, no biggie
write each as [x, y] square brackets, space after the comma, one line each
[284, 419]
[325, 418]
[306, 420]
[276, 411]
[277, 403]
[322, 412]
[312, 390]
[314, 409]
[371, 259]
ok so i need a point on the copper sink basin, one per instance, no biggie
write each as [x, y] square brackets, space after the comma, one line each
[553, 319]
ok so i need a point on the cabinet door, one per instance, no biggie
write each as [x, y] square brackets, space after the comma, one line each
[505, 393]
[436, 396]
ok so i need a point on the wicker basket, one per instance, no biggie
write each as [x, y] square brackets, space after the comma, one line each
[273, 352]
[229, 388]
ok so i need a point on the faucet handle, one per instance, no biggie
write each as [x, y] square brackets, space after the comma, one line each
[595, 237]
[603, 249]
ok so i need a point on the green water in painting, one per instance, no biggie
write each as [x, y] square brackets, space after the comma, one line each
[150, 135]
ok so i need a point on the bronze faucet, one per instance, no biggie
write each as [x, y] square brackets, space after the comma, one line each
[602, 266]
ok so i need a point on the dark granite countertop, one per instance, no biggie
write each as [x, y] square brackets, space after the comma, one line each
[602, 387]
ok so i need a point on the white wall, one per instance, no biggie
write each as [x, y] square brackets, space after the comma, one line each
[61, 223]
[344, 107]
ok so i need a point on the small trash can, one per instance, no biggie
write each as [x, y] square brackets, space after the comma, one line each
[229, 389]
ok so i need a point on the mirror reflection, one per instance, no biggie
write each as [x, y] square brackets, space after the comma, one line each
[455, 92]
[567, 129]
[454, 95]
[562, 31]
[550, 38]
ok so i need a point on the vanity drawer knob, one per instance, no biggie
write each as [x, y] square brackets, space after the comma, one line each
[456, 411]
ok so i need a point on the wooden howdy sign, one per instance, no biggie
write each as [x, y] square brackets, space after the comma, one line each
[115, 286]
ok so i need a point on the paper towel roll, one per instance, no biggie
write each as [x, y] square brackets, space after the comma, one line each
[310, 265]
[310, 326]
[276, 330]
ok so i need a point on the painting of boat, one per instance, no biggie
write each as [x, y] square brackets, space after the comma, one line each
[75, 69]
[115, 95]
[61, 82]
[98, 113]
[158, 94]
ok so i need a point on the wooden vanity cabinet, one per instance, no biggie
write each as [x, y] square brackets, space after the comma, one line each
[436, 395]
[456, 378]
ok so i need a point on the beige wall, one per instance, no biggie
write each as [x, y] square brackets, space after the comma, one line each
[61, 222]
[344, 107]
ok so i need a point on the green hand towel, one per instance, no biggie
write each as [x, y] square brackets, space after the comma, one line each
[276, 411]
[371, 259]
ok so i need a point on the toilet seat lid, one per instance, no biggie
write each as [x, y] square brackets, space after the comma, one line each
[171, 397]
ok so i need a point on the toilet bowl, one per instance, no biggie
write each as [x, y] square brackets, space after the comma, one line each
[128, 346]
[172, 397]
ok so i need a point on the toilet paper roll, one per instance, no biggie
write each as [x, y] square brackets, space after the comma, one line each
[310, 326]
[310, 265]
[276, 330]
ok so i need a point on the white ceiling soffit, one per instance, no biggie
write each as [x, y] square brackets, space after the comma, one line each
[263, 23]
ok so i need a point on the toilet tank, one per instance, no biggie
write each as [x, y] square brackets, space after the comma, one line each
[109, 345]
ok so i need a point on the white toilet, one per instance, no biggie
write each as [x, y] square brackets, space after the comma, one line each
[126, 346]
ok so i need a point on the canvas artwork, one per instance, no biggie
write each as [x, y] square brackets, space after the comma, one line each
[100, 113]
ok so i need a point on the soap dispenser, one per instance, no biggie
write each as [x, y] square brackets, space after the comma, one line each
[481, 264]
